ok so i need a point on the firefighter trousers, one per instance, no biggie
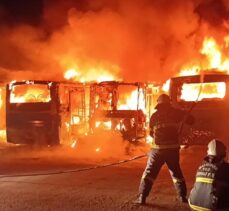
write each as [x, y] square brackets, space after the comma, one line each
[156, 159]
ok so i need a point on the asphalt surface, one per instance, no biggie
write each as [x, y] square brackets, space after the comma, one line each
[110, 188]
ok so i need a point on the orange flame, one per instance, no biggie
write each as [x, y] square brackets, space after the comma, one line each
[214, 58]
[104, 124]
[166, 85]
[3, 135]
[71, 74]
[131, 101]
[30, 93]
[92, 74]
[212, 51]
[1, 100]
[192, 92]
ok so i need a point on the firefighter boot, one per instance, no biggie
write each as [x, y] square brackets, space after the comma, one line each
[181, 190]
[182, 199]
[141, 200]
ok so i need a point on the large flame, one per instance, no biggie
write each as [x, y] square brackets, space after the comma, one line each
[198, 91]
[214, 57]
[30, 93]
[131, 101]
[216, 60]
[92, 74]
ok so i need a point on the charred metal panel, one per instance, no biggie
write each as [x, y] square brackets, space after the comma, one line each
[32, 128]
[32, 123]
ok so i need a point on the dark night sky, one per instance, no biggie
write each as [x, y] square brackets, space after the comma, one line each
[28, 11]
[31, 11]
[111, 31]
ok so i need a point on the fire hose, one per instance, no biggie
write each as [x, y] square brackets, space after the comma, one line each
[180, 130]
[76, 170]
[109, 164]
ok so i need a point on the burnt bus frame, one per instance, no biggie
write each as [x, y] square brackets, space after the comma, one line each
[38, 123]
[115, 114]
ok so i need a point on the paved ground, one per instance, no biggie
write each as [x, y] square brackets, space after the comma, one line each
[110, 188]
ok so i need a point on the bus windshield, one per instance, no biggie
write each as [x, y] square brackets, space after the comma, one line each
[202, 91]
[30, 93]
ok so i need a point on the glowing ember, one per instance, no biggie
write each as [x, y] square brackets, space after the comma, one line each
[194, 91]
[97, 149]
[73, 145]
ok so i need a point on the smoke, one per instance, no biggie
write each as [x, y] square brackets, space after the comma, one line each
[136, 40]
[103, 149]
[213, 12]
[107, 145]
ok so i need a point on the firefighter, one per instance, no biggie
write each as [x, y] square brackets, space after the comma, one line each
[164, 129]
[211, 189]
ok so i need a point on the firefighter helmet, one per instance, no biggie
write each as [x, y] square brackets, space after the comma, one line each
[216, 148]
[163, 99]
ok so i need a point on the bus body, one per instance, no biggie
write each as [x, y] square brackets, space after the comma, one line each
[121, 107]
[44, 112]
[206, 98]
[48, 112]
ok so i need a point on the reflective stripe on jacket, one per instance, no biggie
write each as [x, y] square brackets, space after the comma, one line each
[194, 207]
[203, 196]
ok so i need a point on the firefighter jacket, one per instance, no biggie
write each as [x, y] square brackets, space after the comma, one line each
[211, 189]
[164, 126]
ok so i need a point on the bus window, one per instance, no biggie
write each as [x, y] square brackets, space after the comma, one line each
[202, 91]
[30, 93]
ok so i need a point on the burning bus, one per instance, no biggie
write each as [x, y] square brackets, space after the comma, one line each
[45, 112]
[122, 107]
[206, 97]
